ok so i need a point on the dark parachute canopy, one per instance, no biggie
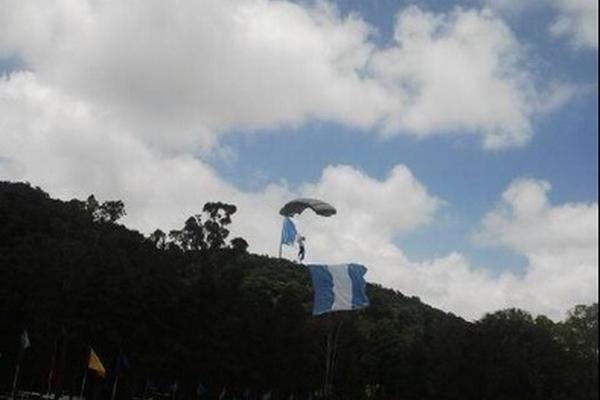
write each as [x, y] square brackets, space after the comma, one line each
[299, 205]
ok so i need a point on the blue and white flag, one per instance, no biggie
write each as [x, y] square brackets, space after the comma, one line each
[288, 232]
[338, 287]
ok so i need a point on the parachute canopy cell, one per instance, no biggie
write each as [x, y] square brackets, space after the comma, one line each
[299, 205]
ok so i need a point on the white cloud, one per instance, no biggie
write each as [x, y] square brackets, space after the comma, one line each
[576, 20]
[458, 72]
[195, 69]
[183, 73]
[560, 243]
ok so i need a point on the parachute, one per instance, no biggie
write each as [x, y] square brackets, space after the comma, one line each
[299, 205]
[289, 234]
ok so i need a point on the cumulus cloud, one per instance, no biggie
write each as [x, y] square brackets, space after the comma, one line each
[187, 72]
[560, 243]
[458, 72]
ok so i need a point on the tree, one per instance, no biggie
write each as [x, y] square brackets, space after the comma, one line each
[109, 211]
[518, 357]
[191, 236]
[580, 332]
[219, 215]
[246, 322]
[158, 238]
[239, 245]
[211, 234]
[579, 335]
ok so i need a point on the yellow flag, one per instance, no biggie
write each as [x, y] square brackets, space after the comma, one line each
[95, 364]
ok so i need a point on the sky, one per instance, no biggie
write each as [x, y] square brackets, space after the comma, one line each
[457, 140]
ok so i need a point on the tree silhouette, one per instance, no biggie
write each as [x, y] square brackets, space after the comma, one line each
[219, 216]
[191, 308]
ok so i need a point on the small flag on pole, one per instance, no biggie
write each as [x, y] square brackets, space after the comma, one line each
[95, 364]
[288, 232]
[338, 287]
[122, 364]
[25, 343]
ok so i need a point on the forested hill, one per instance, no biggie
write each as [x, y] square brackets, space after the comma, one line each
[195, 309]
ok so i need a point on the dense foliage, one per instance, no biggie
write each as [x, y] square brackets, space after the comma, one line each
[192, 307]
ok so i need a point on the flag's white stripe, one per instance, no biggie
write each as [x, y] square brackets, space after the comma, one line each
[342, 287]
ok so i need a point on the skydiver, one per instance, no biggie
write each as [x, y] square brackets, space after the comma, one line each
[301, 249]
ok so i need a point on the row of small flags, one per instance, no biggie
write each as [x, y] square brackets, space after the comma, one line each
[93, 363]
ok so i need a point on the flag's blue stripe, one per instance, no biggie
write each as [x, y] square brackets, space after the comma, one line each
[359, 296]
[323, 289]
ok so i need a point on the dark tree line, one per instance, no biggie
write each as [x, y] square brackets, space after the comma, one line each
[193, 307]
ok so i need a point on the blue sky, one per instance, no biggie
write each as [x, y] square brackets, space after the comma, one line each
[449, 191]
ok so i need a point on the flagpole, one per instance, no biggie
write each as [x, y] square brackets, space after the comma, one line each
[52, 367]
[117, 372]
[24, 344]
[114, 389]
[336, 338]
[280, 242]
[84, 379]
[326, 387]
[14, 386]
[83, 382]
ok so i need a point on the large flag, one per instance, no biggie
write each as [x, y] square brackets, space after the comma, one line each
[95, 364]
[288, 232]
[338, 287]
[25, 343]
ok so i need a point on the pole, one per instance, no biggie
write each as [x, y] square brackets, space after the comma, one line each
[85, 372]
[60, 371]
[327, 365]
[145, 388]
[329, 358]
[52, 367]
[14, 386]
[334, 352]
[281, 242]
[83, 383]
[114, 389]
